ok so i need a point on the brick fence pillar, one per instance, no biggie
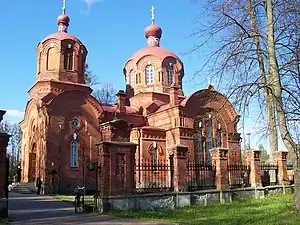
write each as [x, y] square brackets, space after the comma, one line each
[220, 160]
[4, 139]
[253, 160]
[178, 155]
[281, 160]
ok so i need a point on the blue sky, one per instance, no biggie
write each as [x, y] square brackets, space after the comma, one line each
[112, 31]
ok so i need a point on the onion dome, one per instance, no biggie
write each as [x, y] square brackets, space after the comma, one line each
[63, 20]
[153, 30]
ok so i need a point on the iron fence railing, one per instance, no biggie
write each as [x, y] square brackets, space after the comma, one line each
[153, 176]
[239, 175]
[269, 174]
[201, 176]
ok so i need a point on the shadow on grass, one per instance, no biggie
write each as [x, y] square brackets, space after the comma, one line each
[273, 210]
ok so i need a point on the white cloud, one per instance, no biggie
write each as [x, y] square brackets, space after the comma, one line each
[14, 113]
[89, 4]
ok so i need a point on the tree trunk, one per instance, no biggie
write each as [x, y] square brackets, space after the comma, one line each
[270, 105]
[277, 92]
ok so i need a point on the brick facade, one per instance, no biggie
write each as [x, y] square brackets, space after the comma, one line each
[154, 110]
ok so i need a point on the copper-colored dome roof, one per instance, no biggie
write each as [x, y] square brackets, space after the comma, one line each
[153, 30]
[62, 36]
[63, 19]
[159, 52]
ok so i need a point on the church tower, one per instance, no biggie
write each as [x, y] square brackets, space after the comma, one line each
[61, 60]
[153, 69]
[60, 125]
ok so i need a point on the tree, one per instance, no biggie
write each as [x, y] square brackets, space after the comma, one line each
[14, 146]
[89, 77]
[256, 55]
[106, 94]
[264, 156]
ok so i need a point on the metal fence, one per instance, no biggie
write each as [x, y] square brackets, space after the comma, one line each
[201, 176]
[154, 177]
[239, 175]
[269, 174]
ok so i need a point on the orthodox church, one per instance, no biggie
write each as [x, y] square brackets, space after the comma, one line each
[62, 122]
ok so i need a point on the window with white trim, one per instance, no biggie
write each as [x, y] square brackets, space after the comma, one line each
[74, 153]
[149, 74]
[170, 74]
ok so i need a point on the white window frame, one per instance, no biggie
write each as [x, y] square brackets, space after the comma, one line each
[149, 74]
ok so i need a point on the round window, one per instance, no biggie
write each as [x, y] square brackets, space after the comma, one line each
[75, 123]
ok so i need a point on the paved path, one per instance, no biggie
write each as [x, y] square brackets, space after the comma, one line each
[32, 209]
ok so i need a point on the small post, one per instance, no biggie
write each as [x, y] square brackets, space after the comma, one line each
[280, 158]
[253, 160]
[178, 153]
[220, 160]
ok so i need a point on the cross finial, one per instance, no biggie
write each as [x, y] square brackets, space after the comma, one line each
[208, 80]
[152, 11]
[64, 7]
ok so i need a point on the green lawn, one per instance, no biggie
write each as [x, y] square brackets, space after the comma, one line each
[273, 210]
[4, 221]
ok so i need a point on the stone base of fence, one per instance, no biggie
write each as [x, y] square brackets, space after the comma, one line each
[180, 199]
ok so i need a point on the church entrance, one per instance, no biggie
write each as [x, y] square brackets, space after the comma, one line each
[32, 164]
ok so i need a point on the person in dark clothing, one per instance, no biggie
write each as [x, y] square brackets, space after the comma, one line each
[38, 185]
[19, 174]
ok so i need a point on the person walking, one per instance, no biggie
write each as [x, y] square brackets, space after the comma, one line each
[38, 185]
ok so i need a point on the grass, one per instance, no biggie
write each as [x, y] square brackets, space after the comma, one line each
[273, 210]
[4, 221]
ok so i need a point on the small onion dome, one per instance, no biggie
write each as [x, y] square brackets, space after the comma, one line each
[153, 30]
[63, 19]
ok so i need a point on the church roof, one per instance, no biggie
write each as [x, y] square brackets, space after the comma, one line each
[156, 51]
[62, 36]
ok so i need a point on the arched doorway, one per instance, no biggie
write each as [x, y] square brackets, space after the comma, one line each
[32, 163]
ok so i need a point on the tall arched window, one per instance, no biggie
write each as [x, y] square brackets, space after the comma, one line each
[68, 58]
[198, 139]
[154, 156]
[209, 137]
[170, 74]
[219, 136]
[51, 59]
[149, 74]
[131, 78]
[74, 153]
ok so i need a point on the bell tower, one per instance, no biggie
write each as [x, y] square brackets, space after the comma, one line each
[61, 61]
[61, 56]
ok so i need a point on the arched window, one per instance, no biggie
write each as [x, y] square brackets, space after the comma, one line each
[68, 58]
[74, 153]
[219, 136]
[131, 78]
[209, 137]
[51, 59]
[170, 74]
[149, 74]
[154, 156]
[198, 139]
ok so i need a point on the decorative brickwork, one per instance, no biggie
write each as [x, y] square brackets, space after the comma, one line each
[219, 160]
[253, 160]
[281, 160]
[178, 155]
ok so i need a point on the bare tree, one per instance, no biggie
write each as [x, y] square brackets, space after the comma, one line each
[256, 55]
[14, 145]
[106, 94]
[89, 77]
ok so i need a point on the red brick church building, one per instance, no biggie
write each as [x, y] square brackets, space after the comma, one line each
[63, 122]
